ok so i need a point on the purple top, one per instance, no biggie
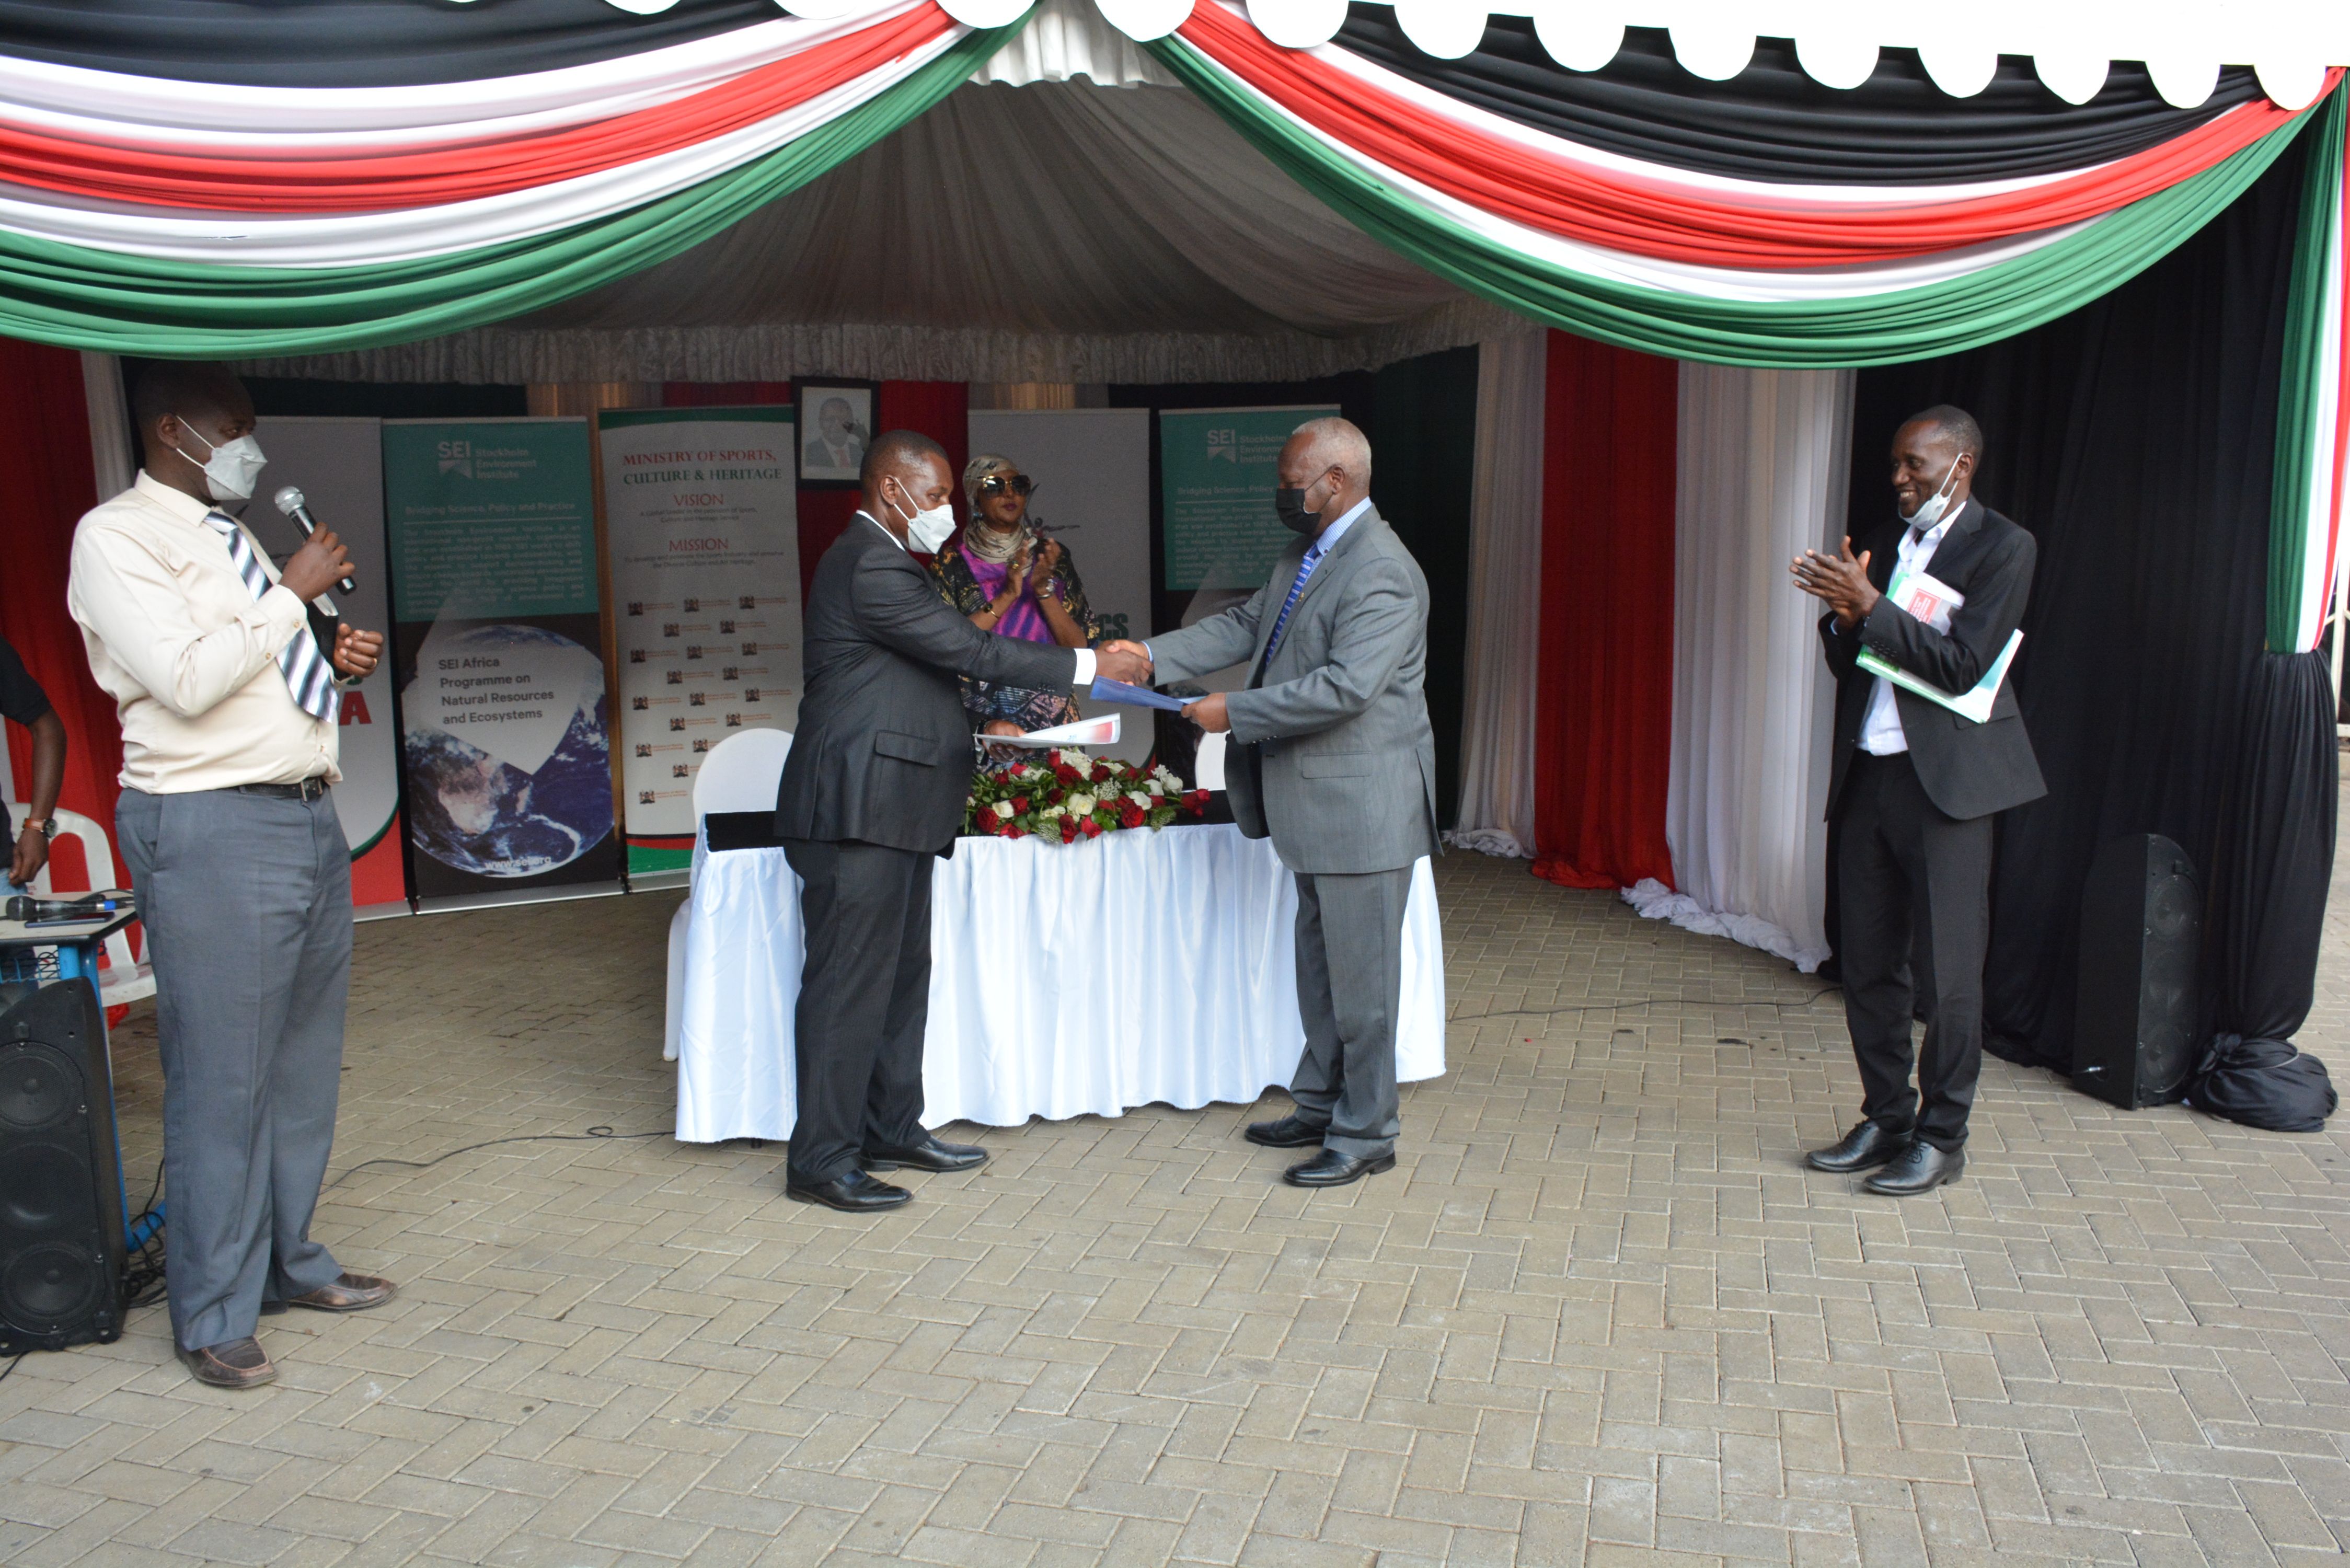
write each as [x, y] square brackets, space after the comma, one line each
[1025, 619]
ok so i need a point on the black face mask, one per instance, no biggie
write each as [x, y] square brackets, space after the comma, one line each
[1289, 504]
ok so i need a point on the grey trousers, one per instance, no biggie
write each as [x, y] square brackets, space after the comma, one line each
[246, 901]
[1349, 989]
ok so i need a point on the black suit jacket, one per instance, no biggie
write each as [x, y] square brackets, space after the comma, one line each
[883, 754]
[1968, 770]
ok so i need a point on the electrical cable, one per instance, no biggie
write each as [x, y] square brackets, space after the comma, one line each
[598, 1133]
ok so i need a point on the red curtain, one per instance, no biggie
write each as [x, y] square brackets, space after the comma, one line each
[939, 410]
[46, 412]
[1604, 716]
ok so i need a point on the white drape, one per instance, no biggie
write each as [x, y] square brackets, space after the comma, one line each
[1497, 723]
[1763, 470]
[113, 454]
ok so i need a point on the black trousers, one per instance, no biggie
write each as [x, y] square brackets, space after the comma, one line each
[865, 996]
[1914, 887]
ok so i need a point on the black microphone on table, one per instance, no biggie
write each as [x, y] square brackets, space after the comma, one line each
[289, 500]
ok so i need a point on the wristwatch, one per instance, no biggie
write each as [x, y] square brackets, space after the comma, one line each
[48, 828]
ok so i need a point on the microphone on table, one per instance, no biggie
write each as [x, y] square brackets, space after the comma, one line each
[289, 501]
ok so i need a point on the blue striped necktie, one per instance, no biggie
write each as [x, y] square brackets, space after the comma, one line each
[1281, 622]
[307, 674]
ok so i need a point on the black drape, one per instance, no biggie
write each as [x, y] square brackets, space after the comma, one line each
[1421, 415]
[1773, 122]
[2135, 438]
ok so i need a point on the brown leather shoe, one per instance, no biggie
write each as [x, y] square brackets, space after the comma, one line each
[350, 1292]
[235, 1364]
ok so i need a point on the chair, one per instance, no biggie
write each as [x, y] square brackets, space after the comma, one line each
[741, 773]
[124, 979]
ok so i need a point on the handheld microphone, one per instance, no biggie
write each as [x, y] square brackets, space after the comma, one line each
[289, 501]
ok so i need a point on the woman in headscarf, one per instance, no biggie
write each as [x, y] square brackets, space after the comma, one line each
[1008, 581]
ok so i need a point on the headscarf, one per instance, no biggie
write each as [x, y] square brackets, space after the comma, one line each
[982, 538]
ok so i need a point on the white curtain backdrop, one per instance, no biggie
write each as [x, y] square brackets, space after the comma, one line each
[1497, 727]
[113, 453]
[1763, 474]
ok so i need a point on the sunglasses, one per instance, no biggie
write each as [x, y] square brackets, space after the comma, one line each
[1001, 483]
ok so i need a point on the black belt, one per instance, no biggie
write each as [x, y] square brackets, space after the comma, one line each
[308, 789]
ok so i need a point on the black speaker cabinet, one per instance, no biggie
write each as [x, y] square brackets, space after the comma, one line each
[61, 1249]
[2137, 1007]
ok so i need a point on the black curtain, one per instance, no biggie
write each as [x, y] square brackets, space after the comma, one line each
[2135, 438]
[1421, 415]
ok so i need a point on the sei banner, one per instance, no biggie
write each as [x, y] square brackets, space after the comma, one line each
[497, 635]
[702, 529]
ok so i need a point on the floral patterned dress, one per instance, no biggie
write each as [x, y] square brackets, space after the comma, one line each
[971, 585]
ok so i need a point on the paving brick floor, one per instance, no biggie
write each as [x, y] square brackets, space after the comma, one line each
[1596, 1316]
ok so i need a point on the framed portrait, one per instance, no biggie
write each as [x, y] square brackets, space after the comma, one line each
[836, 420]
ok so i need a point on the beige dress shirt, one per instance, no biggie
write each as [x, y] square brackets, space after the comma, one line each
[187, 652]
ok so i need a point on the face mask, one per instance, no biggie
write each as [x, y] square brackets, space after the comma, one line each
[1929, 511]
[1289, 504]
[927, 530]
[234, 467]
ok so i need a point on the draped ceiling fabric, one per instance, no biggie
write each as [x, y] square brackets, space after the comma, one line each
[1762, 459]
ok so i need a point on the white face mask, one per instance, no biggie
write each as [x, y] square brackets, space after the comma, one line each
[929, 529]
[234, 467]
[1929, 511]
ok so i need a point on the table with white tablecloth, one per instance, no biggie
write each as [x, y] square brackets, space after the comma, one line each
[1087, 978]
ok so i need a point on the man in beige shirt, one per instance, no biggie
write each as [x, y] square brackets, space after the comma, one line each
[229, 706]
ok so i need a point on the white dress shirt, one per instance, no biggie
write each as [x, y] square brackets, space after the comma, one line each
[188, 654]
[1880, 728]
[1085, 659]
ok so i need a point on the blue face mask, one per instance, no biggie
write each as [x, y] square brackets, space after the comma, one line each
[1929, 511]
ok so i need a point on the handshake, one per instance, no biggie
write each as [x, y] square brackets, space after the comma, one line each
[1131, 662]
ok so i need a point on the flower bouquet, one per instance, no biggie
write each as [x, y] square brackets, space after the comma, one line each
[1068, 796]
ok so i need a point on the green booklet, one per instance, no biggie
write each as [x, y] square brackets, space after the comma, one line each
[1931, 600]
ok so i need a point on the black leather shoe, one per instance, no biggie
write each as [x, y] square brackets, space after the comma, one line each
[1921, 1169]
[928, 1154]
[1864, 1147]
[1331, 1169]
[1289, 1132]
[234, 1364]
[855, 1193]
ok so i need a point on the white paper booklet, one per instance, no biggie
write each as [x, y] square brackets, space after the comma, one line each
[1930, 600]
[1101, 732]
[1926, 597]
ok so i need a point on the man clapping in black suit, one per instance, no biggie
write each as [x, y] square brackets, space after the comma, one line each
[872, 793]
[1913, 792]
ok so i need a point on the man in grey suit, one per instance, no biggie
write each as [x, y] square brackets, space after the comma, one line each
[873, 791]
[1332, 761]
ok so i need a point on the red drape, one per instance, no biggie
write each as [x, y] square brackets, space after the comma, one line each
[51, 483]
[939, 410]
[1604, 717]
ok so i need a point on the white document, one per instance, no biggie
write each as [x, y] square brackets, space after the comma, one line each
[1101, 732]
[1927, 599]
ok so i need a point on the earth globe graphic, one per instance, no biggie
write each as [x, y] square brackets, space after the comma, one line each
[475, 812]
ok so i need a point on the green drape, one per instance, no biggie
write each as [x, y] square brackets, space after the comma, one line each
[2297, 435]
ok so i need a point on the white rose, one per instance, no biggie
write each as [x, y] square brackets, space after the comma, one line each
[1154, 788]
[1139, 798]
[1055, 811]
[1081, 804]
[1078, 760]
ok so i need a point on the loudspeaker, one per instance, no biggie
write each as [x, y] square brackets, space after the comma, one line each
[61, 1245]
[2136, 1010]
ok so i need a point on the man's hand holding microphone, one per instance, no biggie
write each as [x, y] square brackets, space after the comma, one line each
[319, 564]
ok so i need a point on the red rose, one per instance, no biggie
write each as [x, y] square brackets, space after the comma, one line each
[1068, 829]
[1130, 816]
[1092, 828]
[1067, 775]
[1195, 802]
[1019, 806]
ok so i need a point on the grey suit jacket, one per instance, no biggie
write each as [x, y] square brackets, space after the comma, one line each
[1332, 755]
[883, 752]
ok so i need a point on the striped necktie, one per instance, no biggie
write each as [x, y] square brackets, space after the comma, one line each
[307, 674]
[1281, 622]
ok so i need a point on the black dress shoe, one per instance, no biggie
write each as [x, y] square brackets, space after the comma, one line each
[1331, 1169]
[1921, 1169]
[1864, 1147]
[928, 1154]
[855, 1193]
[1289, 1132]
